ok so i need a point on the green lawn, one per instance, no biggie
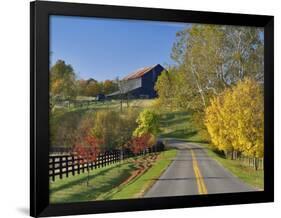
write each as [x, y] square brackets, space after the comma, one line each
[73, 114]
[75, 189]
[177, 124]
[246, 174]
[107, 182]
[141, 184]
[111, 104]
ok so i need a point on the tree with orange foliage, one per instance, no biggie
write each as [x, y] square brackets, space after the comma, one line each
[87, 151]
[140, 143]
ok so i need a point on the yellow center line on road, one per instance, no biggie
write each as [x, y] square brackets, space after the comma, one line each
[202, 189]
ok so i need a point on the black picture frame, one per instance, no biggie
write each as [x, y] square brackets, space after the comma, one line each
[39, 107]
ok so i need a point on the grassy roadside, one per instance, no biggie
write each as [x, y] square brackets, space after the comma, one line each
[74, 188]
[110, 182]
[141, 184]
[246, 174]
[178, 125]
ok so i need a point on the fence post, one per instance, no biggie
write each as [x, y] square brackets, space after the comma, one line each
[83, 166]
[88, 165]
[60, 167]
[73, 165]
[78, 161]
[102, 160]
[98, 160]
[66, 165]
[53, 169]
[92, 162]
[106, 158]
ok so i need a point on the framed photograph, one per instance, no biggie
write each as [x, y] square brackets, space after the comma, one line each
[144, 108]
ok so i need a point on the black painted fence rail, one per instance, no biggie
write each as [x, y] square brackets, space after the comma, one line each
[64, 164]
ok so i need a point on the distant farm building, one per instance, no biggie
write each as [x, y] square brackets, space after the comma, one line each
[100, 97]
[139, 84]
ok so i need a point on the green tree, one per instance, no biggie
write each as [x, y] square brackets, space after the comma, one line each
[114, 128]
[62, 81]
[93, 88]
[163, 87]
[214, 57]
[82, 85]
[109, 87]
[209, 59]
[66, 127]
[148, 123]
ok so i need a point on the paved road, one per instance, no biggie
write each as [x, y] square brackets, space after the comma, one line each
[193, 172]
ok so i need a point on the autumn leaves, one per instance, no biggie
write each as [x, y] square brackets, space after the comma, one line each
[218, 79]
[235, 119]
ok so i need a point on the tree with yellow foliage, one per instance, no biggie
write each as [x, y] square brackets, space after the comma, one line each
[216, 123]
[63, 80]
[235, 119]
[148, 123]
[249, 116]
[63, 84]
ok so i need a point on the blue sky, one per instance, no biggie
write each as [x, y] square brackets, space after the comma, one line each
[106, 48]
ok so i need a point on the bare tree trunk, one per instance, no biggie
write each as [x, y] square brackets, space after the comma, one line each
[256, 162]
[235, 155]
[200, 90]
[121, 104]
[127, 101]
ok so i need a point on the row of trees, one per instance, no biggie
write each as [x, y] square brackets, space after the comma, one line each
[92, 87]
[112, 128]
[218, 74]
[235, 120]
[209, 59]
[125, 130]
[106, 130]
[64, 83]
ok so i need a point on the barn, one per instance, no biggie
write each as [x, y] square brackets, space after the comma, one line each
[139, 84]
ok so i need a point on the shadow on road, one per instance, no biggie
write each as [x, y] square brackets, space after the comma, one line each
[190, 178]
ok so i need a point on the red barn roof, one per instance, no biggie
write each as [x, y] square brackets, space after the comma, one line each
[138, 73]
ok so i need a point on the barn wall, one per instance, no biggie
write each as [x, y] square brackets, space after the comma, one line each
[147, 84]
[149, 80]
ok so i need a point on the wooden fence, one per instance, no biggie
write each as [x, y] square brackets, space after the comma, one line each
[61, 165]
[77, 103]
[252, 162]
